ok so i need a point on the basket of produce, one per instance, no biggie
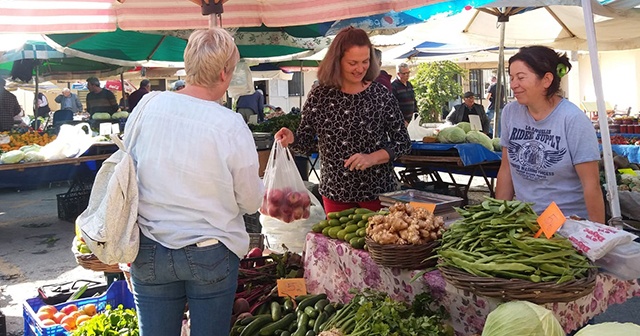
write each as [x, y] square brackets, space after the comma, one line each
[492, 252]
[405, 238]
[88, 260]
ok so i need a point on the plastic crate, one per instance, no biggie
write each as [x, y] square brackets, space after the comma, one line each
[72, 204]
[117, 294]
[252, 222]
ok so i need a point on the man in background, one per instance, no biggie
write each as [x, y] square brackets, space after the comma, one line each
[178, 85]
[461, 112]
[403, 91]
[384, 77]
[69, 101]
[136, 96]
[491, 96]
[99, 99]
[249, 105]
[9, 107]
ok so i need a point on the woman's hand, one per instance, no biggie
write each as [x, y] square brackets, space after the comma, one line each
[285, 136]
[361, 161]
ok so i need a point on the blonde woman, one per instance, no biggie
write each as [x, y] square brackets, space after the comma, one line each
[198, 174]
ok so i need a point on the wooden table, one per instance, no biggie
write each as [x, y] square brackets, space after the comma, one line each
[68, 161]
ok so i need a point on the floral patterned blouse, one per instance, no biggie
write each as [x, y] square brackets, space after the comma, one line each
[346, 124]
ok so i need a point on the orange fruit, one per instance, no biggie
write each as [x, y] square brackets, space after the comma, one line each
[81, 319]
[89, 309]
[74, 315]
[48, 322]
[59, 316]
[69, 320]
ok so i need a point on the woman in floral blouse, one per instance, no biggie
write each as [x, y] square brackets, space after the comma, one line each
[355, 123]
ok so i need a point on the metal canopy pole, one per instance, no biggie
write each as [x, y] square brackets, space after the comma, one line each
[502, 19]
[607, 157]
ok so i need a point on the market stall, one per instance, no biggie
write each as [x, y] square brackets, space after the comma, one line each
[428, 161]
[353, 268]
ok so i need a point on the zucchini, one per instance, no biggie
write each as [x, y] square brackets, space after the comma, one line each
[362, 211]
[346, 213]
[254, 327]
[333, 215]
[309, 310]
[319, 306]
[310, 333]
[281, 324]
[322, 318]
[288, 305]
[276, 311]
[285, 333]
[302, 325]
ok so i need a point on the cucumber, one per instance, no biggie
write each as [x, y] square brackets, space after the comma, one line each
[333, 232]
[288, 305]
[344, 219]
[361, 232]
[301, 298]
[249, 319]
[310, 333]
[362, 211]
[276, 311]
[285, 333]
[310, 301]
[322, 318]
[351, 228]
[325, 231]
[330, 309]
[311, 323]
[334, 222]
[340, 235]
[302, 325]
[357, 242]
[368, 215]
[254, 327]
[348, 236]
[363, 223]
[309, 310]
[319, 306]
[281, 324]
[346, 213]
[316, 228]
[333, 215]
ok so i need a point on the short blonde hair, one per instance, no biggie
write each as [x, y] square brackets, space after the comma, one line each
[329, 73]
[208, 52]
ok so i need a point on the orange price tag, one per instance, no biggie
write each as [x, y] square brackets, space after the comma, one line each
[292, 287]
[550, 221]
[429, 206]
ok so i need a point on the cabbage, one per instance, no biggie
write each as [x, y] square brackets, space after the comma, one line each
[34, 156]
[30, 148]
[522, 318]
[466, 126]
[496, 144]
[101, 116]
[609, 329]
[451, 135]
[120, 115]
[479, 138]
[13, 156]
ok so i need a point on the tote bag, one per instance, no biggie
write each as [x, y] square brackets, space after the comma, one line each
[109, 225]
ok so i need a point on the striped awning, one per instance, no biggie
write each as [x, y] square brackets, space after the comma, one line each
[58, 16]
[183, 14]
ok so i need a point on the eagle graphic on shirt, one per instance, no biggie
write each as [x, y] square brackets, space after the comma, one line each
[533, 160]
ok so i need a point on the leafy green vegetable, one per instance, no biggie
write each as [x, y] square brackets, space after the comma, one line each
[111, 322]
[451, 135]
[479, 138]
[466, 126]
[273, 125]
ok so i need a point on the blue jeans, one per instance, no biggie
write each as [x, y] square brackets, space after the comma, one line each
[491, 113]
[165, 279]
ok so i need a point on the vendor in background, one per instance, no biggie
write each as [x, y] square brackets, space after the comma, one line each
[192, 229]
[124, 102]
[43, 106]
[549, 149]
[461, 112]
[69, 101]
[252, 104]
[178, 85]
[136, 96]
[403, 91]
[358, 124]
[99, 99]
[10, 109]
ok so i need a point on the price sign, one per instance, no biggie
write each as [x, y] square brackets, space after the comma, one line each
[429, 206]
[627, 171]
[550, 221]
[291, 287]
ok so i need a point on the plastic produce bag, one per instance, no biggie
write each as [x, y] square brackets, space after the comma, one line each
[285, 198]
[594, 240]
[417, 132]
[291, 235]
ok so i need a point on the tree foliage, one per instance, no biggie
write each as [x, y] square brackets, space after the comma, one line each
[435, 85]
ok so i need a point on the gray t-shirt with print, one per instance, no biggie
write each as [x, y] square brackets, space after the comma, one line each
[542, 155]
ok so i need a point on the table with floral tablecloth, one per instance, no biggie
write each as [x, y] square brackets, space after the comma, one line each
[333, 267]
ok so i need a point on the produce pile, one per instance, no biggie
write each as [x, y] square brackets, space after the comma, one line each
[86, 320]
[69, 317]
[461, 133]
[348, 225]
[405, 225]
[285, 204]
[374, 313]
[495, 239]
[368, 313]
[14, 141]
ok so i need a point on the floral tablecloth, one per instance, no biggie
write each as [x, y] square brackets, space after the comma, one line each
[333, 267]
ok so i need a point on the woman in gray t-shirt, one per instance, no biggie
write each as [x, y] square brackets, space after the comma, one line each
[549, 147]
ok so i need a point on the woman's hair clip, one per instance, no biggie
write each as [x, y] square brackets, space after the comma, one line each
[561, 70]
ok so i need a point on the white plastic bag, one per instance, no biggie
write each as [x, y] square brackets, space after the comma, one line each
[417, 132]
[286, 198]
[72, 141]
[594, 240]
[291, 235]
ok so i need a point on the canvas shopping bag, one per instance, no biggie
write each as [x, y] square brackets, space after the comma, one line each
[109, 225]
